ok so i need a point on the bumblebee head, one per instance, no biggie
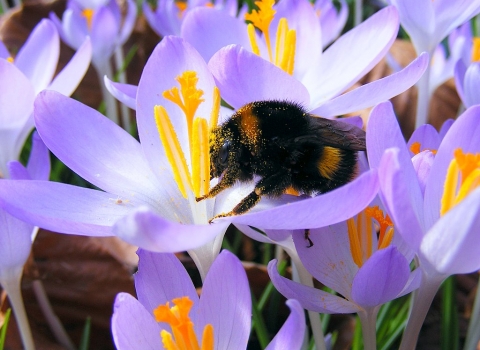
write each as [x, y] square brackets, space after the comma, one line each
[220, 150]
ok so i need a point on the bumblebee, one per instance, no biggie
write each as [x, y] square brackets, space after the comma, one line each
[284, 145]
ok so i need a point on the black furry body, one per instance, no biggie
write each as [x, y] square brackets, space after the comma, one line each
[286, 147]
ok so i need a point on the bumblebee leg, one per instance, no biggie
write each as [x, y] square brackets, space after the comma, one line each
[274, 185]
[225, 182]
[245, 205]
[307, 238]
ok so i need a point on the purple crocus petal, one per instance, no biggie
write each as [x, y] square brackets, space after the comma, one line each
[310, 298]
[170, 59]
[375, 92]
[386, 272]
[426, 136]
[14, 111]
[104, 35]
[395, 185]
[254, 234]
[329, 260]
[459, 76]
[453, 243]
[226, 303]
[302, 18]
[128, 22]
[15, 241]
[4, 51]
[156, 20]
[291, 335]
[125, 93]
[98, 150]
[319, 211]
[445, 127]
[383, 132]
[161, 278]
[218, 26]
[148, 230]
[44, 45]
[134, 327]
[347, 60]
[74, 27]
[470, 84]
[422, 163]
[62, 208]
[39, 161]
[244, 77]
[463, 134]
[18, 171]
[68, 79]
[413, 282]
[418, 19]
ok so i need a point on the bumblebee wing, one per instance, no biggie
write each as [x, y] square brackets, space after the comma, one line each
[338, 134]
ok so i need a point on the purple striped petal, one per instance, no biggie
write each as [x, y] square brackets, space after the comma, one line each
[125, 93]
[291, 335]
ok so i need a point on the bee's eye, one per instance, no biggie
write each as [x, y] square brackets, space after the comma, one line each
[223, 154]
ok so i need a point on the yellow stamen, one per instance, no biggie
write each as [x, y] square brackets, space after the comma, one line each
[188, 98]
[288, 58]
[355, 248]
[463, 176]
[476, 50]
[262, 18]
[361, 234]
[184, 337]
[253, 40]
[281, 37]
[88, 14]
[10, 59]
[173, 150]
[216, 108]
[200, 158]
[181, 5]
[415, 147]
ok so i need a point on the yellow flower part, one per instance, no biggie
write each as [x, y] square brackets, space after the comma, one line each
[416, 148]
[188, 98]
[463, 176]
[360, 233]
[10, 59]
[476, 50]
[286, 38]
[88, 14]
[183, 335]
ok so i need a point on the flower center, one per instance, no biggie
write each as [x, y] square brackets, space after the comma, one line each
[188, 98]
[416, 148]
[183, 335]
[88, 14]
[360, 233]
[463, 176]
[285, 39]
[476, 50]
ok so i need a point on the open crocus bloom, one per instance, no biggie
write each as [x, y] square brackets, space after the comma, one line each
[23, 78]
[99, 20]
[219, 319]
[433, 198]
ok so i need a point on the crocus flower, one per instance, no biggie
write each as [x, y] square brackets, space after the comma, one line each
[433, 199]
[428, 23]
[169, 14]
[348, 258]
[467, 71]
[24, 76]
[102, 22]
[332, 20]
[318, 78]
[219, 319]
[153, 181]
